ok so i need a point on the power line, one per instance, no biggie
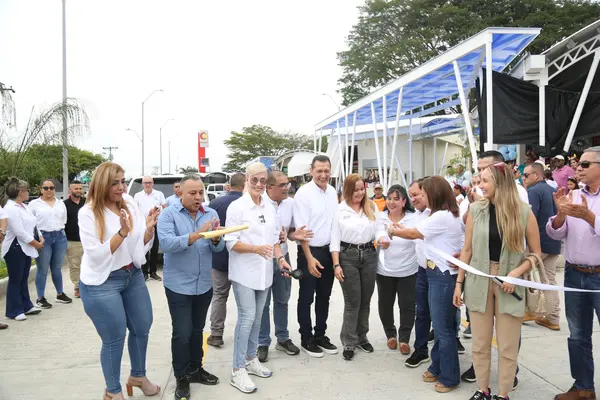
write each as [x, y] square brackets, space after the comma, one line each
[110, 149]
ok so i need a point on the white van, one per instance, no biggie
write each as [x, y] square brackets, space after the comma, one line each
[215, 190]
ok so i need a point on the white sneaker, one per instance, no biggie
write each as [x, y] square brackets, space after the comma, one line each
[20, 317]
[254, 367]
[241, 381]
[33, 311]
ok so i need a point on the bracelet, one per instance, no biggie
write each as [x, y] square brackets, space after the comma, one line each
[120, 234]
[460, 283]
[337, 265]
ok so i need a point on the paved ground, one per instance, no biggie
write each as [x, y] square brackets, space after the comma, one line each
[55, 356]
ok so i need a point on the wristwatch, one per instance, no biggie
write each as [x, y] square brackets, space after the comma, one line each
[336, 265]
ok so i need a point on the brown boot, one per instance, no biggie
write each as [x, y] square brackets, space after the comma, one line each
[576, 394]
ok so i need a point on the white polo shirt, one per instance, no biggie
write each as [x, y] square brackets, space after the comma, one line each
[316, 208]
[2, 213]
[442, 231]
[352, 227]
[419, 243]
[248, 269]
[21, 227]
[148, 201]
[283, 217]
[49, 218]
[400, 259]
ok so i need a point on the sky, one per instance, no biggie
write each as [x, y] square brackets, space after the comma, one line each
[222, 65]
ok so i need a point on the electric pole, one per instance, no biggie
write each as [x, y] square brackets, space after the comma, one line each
[110, 149]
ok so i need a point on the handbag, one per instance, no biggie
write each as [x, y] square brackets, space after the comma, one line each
[535, 299]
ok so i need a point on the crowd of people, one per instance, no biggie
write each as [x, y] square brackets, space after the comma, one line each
[495, 225]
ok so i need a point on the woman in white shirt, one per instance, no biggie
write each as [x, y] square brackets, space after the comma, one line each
[355, 262]
[441, 231]
[397, 270]
[51, 215]
[116, 237]
[18, 248]
[251, 254]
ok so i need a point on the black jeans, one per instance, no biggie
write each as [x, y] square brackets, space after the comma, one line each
[406, 290]
[188, 316]
[152, 256]
[309, 286]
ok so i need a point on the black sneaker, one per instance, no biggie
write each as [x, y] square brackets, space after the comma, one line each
[155, 276]
[43, 303]
[431, 336]
[469, 375]
[459, 347]
[366, 347]
[146, 277]
[216, 341]
[182, 391]
[263, 353]
[289, 347]
[204, 377]
[515, 383]
[310, 347]
[498, 397]
[348, 354]
[325, 344]
[467, 333]
[416, 359]
[63, 298]
[479, 395]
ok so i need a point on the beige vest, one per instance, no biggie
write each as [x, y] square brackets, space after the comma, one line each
[476, 287]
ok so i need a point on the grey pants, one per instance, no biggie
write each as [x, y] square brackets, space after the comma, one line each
[358, 288]
[218, 307]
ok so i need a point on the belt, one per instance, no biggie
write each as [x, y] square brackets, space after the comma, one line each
[325, 247]
[586, 269]
[127, 267]
[362, 247]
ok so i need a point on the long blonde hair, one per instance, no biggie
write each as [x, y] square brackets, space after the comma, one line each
[102, 181]
[508, 207]
[366, 204]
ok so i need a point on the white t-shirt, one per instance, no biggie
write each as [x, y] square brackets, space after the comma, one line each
[419, 243]
[49, 218]
[316, 208]
[400, 259]
[351, 227]
[442, 231]
[552, 183]
[146, 202]
[283, 217]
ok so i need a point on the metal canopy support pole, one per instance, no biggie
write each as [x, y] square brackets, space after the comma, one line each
[542, 111]
[443, 159]
[394, 143]
[348, 171]
[400, 170]
[320, 140]
[582, 99]
[315, 142]
[341, 157]
[384, 178]
[352, 144]
[488, 94]
[434, 155]
[465, 111]
[410, 152]
[373, 116]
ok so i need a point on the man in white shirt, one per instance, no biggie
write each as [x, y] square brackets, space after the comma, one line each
[147, 200]
[315, 205]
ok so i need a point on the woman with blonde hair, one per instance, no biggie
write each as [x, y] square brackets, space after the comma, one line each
[494, 244]
[355, 262]
[116, 237]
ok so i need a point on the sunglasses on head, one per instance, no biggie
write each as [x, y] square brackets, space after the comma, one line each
[48, 188]
[586, 164]
[255, 181]
[499, 166]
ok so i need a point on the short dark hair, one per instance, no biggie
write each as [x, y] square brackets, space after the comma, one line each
[47, 180]
[401, 192]
[75, 182]
[418, 182]
[496, 155]
[273, 175]
[14, 186]
[537, 167]
[320, 158]
[440, 196]
[548, 174]
[238, 180]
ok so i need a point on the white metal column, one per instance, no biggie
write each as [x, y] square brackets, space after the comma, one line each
[542, 112]
[434, 156]
[384, 178]
[464, 105]
[488, 93]
[443, 159]
[347, 155]
[315, 142]
[410, 151]
[395, 141]
[341, 157]
[321, 141]
[374, 117]
[352, 143]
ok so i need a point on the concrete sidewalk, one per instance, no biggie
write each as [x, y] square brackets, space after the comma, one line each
[55, 356]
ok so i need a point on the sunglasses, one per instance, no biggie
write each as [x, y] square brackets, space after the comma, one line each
[255, 181]
[284, 185]
[48, 188]
[526, 175]
[587, 164]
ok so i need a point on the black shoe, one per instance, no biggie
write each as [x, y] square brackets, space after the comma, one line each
[479, 395]
[215, 341]
[467, 333]
[431, 336]
[43, 303]
[366, 347]
[310, 347]
[263, 353]
[203, 377]
[498, 397]
[155, 276]
[63, 298]
[515, 383]
[182, 391]
[459, 347]
[416, 359]
[348, 354]
[325, 344]
[146, 276]
[289, 347]
[469, 375]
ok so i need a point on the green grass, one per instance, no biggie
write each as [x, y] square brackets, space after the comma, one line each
[3, 271]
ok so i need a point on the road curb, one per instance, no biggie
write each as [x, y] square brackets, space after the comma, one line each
[4, 281]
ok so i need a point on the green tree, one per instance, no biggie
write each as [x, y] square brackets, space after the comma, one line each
[188, 170]
[259, 140]
[393, 37]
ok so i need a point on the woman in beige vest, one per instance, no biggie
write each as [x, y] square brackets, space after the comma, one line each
[496, 227]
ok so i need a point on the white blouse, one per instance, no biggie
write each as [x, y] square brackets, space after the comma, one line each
[49, 218]
[351, 227]
[442, 231]
[400, 259]
[21, 226]
[248, 269]
[98, 262]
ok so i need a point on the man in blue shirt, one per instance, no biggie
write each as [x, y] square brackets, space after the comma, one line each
[188, 280]
[220, 264]
[174, 198]
[543, 207]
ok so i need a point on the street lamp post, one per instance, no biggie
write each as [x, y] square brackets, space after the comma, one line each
[65, 142]
[332, 99]
[160, 142]
[142, 139]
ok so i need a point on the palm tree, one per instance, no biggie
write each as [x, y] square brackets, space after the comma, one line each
[188, 170]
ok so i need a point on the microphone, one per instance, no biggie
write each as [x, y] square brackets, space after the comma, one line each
[296, 274]
[499, 282]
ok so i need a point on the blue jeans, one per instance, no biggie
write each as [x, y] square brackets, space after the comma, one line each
[121, 301]
[18, 265]
[423, 319]
[250, 305]
[282, 289]
[51, 257]
[580, 308]
[444, 355]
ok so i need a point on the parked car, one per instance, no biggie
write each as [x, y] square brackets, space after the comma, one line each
[215, 190]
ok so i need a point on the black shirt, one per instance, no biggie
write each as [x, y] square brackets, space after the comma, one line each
[72, 226]
[495, 241]
[220, 260]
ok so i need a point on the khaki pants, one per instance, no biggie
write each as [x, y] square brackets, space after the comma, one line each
[551, 296]
[74, 254]
[508, 332]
